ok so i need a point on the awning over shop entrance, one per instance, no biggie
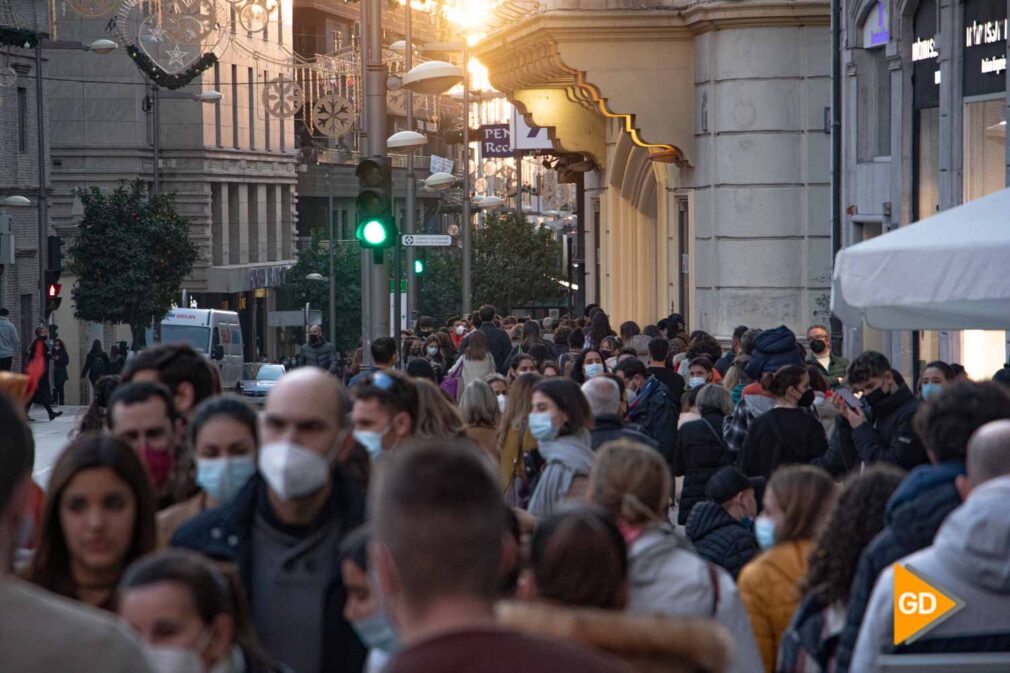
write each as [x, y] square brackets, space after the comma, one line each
[948, 271]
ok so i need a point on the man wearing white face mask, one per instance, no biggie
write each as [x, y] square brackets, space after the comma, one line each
[384, 412]
[284, 527]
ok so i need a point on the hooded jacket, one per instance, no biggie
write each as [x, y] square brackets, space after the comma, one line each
[666, 577]
[656, 413]
[970, 559]
[912, 518]
[321, 354]
[567, 459]
[754, 402]
[772, 349]
[720, 538]
[699, 453]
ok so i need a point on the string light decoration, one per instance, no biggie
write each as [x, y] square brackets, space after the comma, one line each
[18, 37]
[164, 79]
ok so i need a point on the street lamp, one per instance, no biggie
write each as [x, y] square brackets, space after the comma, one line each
[407, 140]
[102, 46]
[439, 180]
[432, 77]
[210, 97]
[317, 277]
[15, 201]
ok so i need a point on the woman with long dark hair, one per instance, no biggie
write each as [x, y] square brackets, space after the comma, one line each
[810, 642]
[559, 420]
[98, 518]
[97, 364]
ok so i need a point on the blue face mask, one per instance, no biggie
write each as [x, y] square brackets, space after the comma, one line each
[696, 382]
[377, 633]
[542, 426]
[371, 440]
[764, 531]
[930, 389]
[593, 369]
[222, 478]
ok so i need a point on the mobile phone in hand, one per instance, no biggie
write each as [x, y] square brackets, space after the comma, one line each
[848, 397]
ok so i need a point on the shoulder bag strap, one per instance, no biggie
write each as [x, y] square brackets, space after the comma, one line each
[713, 578]
[722, 442]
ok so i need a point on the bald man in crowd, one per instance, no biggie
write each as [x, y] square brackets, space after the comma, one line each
[967, 559]
[284, 527]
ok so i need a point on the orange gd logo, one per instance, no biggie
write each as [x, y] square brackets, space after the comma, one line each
[919, 606]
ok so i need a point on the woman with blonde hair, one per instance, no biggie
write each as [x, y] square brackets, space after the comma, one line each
[797, 501]
[436, 416]
[479, 409]
[515, 439]
[665, 576]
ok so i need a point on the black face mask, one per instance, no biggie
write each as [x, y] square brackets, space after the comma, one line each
[315, 338]
[818, 346]
[806, 399]
[876, 397]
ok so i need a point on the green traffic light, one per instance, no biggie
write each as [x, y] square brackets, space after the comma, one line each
[374, 233]
[418, 267]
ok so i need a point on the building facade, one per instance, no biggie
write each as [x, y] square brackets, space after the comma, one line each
[22, 169]
[230, 163]
[925, 109]
[705, 126]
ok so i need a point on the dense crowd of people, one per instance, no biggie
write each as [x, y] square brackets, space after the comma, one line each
[504, 494]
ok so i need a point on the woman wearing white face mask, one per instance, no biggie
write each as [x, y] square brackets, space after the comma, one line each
[588, 364]
[224, 438]
[560, 420]
[184, 610]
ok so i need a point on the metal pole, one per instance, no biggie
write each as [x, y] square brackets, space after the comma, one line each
[375, 124]
[409, 222]
[333, 295]
[397, 300]
[43, 209]
[156, 108]
[366, 255]
[467, 224]
[836, 154]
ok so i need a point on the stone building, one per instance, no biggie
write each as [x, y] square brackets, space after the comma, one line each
[704, 124]
[231, 164]
[20, 126]
[925, 109]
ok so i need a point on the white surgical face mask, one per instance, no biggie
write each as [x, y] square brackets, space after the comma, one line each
[460, 330]
[292, 471]
[371, 440]
[432, 351]
[501, 403]
[172, 659]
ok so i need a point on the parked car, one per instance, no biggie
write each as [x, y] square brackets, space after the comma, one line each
[259, 387]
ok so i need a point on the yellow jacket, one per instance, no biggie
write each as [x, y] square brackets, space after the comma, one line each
[510, 452]
[769, 588]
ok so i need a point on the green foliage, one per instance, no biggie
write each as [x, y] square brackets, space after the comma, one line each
[514, 264]
[130, 256]
[347, 274]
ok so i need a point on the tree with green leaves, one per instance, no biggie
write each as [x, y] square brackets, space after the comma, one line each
[130, 256]
[347, 275]
[515, 263]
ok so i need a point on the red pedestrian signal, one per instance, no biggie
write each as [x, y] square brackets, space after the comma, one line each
[53, 298]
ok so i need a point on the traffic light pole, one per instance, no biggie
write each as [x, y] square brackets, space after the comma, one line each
[377, 317]
[409, 221]
[467, 223]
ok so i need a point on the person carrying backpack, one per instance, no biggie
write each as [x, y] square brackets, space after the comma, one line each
[97, 363]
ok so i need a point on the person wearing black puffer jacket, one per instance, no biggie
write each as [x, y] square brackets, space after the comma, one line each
[881, 430]
[700, 450]
[720, 527]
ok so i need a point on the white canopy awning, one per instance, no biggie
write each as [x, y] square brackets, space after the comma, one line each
[948, 271]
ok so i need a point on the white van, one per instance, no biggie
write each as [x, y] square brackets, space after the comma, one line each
[216, 334]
